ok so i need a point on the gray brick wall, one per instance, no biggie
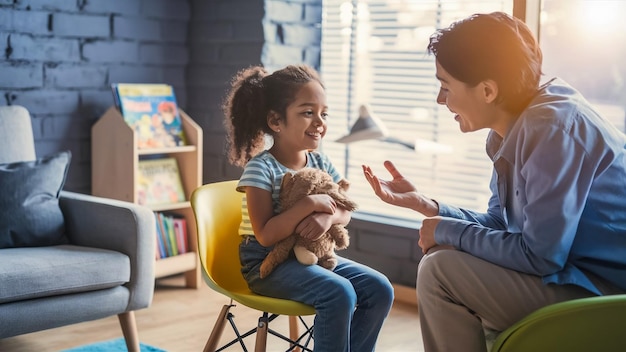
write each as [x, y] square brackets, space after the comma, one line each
[59, 58]
[224, 37]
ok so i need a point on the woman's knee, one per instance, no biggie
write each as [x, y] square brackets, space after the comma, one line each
[433, 267]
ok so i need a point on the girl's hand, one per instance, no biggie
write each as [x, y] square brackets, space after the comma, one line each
[314, 225]
[323, 203]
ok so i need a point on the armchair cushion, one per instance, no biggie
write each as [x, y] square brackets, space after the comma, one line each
[59, 270]
[31, 215]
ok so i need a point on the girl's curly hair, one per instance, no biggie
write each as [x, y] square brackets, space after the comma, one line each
[252, 95]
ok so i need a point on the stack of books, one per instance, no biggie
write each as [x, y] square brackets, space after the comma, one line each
[171, 235]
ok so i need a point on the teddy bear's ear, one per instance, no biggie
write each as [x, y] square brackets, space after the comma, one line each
[344, 184]
[286, 178]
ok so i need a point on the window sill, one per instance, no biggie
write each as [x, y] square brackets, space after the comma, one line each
[386, 220]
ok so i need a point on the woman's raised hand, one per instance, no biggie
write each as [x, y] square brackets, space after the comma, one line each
[398, 191]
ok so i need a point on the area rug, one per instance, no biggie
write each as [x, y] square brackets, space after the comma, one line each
[117, 345]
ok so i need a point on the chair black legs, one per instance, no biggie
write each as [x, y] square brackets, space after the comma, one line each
[296, 342]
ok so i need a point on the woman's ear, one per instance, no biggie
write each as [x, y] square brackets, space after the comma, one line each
[489, 90]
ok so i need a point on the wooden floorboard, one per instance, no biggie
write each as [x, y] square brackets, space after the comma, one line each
[180, 320]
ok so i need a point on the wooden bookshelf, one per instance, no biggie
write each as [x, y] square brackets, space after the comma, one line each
[115, 159]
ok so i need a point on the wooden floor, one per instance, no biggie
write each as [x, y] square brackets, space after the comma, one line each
[180, 320]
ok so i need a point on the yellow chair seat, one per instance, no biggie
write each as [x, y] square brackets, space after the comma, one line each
[250, 299]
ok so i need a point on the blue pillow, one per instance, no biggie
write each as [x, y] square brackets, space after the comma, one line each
[29, 199]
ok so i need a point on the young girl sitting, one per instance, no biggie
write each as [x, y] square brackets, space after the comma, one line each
[351, 301]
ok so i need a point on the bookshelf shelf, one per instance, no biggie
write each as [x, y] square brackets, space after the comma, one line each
[182, 263]
[115, 159]
[173, 206]
[173, 150]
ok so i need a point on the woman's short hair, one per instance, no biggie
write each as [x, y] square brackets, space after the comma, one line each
[492, 46]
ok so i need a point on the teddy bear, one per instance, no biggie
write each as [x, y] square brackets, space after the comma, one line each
[294, 187]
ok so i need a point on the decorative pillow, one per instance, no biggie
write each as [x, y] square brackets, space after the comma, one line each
[29, 199]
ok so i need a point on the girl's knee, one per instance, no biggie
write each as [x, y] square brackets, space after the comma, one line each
[340, 294]
[377, 291]
[384, 291]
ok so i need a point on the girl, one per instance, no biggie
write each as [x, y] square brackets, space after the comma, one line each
[352, 301]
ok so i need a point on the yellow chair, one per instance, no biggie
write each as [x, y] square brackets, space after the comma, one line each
[217, 209]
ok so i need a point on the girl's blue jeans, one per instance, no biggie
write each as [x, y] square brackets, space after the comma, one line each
[351, 302]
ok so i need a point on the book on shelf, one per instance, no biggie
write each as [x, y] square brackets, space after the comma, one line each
[159, 182]
[152, 112]
[171, 235]
[180, 231]
[161, 251]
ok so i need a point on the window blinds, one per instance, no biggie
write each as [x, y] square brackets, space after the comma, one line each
[374, 52]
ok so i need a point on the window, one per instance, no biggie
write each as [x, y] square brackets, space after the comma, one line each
[374, 52]
[585, 44]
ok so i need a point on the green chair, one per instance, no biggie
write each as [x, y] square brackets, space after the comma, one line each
[587, 324]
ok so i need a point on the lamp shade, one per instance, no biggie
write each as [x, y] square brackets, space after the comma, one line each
[366, 127]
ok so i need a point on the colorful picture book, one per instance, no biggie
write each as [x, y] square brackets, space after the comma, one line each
[151, 110]
[159, 182]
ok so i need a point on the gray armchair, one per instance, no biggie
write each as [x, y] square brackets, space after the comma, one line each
[105, 267]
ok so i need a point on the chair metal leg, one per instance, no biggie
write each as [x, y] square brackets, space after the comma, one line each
[308, 334]
[297, 342]
[261, 334]
[129, 329]
[301, 342]
[218, 329]
[294, 333]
